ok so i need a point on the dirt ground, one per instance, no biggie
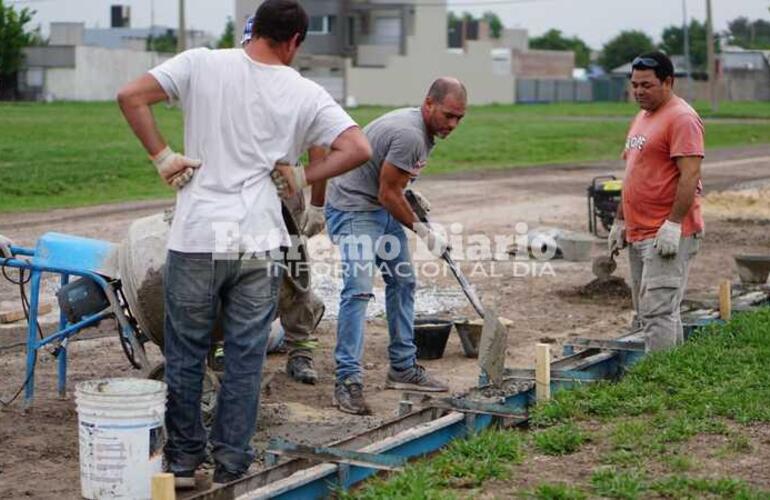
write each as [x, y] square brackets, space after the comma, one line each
[40, 446]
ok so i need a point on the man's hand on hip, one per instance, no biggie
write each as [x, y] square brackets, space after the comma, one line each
[314, 222]
[616, 241]
[667, 239]
[176, 169]
[288, 179]
[5, 247]
[435, 242]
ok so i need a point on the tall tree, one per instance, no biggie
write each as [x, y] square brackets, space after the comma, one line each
[749, 34]
[13, 38]
[623, 48]
[495, 24]
[227, 40]
[673, 43]
[553, 39]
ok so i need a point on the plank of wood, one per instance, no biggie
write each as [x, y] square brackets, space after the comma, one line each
[725, 300]
[543, 372]
[18, 314]
[163, 486]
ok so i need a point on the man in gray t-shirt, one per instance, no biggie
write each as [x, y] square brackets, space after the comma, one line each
[366, 212]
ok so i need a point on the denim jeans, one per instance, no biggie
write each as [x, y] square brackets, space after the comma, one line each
[371, 241]
[198, 291]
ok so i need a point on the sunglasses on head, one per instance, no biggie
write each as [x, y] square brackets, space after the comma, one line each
[647, 62]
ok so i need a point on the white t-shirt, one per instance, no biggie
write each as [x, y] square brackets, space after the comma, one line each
[240, 118]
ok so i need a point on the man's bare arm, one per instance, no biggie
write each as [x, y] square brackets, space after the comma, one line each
[135, 99]
[689, 175]
[350, 150]
[318, 189]
[393, 181]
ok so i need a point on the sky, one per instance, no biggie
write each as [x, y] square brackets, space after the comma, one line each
[595, 21]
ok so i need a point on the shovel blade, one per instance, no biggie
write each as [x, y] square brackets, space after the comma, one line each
[603, 267]
[494, 339]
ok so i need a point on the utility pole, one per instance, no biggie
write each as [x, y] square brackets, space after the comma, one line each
[712, 63]
[688, 62]
[181, 36]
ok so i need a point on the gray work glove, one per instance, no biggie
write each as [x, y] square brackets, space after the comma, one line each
[667, 239]
[288, 179]
[5, 247]
[421, 200]
[177, 170]
[435, 242]
[314, 221]
[616, 241]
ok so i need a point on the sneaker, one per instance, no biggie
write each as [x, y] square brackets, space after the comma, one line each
[349, 397]
[222, 476]
[300, 368]
[415, 379]
[184, 480]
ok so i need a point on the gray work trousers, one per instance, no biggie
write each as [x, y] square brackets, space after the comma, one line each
[657, 288]
[300, 312]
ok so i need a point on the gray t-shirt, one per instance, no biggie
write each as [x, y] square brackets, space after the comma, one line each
[398, 137]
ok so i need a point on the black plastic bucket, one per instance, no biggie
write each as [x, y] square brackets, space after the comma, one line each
[430, 337]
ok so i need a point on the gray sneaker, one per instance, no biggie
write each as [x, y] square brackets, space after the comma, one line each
[300, 368]
[414, 379]
[349, 397]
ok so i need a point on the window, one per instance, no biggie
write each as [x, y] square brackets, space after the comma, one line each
[321, 25]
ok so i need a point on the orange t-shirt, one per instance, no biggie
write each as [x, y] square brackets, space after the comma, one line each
[654, 142]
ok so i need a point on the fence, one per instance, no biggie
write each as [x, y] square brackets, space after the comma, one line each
[541, 90]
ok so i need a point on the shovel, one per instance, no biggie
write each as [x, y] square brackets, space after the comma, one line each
[494, 334]
[603, 266]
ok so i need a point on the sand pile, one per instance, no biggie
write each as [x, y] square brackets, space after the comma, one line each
[749, 201]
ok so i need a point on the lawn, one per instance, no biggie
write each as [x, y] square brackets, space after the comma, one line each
[689, 423]
[74, 154]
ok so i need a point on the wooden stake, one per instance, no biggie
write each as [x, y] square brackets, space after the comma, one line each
[725, 300]
[163, 486]
[543, 372]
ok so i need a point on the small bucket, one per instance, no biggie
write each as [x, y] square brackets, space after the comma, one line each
[753, 269]
[121, 432]
[470, 336]
[430, 337]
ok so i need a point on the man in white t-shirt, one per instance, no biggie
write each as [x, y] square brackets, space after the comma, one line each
[247, 115]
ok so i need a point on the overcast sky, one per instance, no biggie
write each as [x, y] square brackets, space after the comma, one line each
[595, 21]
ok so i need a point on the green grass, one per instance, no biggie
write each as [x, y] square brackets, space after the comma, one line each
[560, 439]
[464, 464]
[647, 420]
[73, 154]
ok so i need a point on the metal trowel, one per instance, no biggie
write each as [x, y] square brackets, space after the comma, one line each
[603, 266]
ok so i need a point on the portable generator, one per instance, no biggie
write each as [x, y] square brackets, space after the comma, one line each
[603, 200]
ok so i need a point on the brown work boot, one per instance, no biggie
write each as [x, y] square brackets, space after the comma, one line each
[300, 368]
[349, 397]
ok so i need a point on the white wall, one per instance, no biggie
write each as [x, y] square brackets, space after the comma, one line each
[98, 73]
[406, 79]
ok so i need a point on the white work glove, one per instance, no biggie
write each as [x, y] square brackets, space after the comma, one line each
[436, 243]
[5, 247]
[288, 179]
[177, 170]
[616, 241]
[667, 239]
[314, 222]
[421, 200]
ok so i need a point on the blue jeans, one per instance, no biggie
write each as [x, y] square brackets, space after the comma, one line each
[372, 241]
[243, 294]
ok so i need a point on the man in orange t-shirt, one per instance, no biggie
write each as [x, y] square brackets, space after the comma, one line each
[660, 214]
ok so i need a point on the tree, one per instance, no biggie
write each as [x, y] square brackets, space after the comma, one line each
[554, 40]
[164, 43]
[623, 48]
[495, 24]
[13, 38]
[749, 34]
[673, 43]
[227, 41]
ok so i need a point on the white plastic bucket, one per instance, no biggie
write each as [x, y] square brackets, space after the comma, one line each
[121, 433]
